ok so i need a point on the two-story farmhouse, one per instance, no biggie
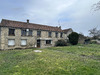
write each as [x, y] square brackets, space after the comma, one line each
[15, 34]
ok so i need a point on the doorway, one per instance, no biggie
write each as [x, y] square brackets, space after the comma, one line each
[38, 43]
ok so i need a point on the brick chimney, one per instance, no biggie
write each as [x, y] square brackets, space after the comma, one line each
[27, 20]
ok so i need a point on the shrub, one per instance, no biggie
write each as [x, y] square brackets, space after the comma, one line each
[73, 38]
[61, 43]
[93, 42]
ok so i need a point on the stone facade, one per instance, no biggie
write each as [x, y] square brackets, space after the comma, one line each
[31, 41]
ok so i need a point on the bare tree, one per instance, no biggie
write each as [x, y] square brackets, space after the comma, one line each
[94, 33]
[96, 6]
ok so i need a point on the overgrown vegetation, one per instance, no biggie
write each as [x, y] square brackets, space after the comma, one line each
[96, 6]
[94, 33]
[93, 42]
[73, 38]
[61, 43]
[70, 60]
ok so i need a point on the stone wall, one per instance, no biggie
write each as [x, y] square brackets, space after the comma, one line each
[44, 37]
[31, 40]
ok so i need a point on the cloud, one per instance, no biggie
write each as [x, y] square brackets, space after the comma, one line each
[82, 19]
[75, 14]
[47, 10]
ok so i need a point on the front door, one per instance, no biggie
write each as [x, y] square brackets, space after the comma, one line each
[38, 43]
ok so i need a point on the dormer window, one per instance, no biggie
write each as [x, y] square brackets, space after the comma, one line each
[11, 32]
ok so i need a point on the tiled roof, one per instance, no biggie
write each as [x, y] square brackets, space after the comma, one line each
[66, 30]
[18, 24]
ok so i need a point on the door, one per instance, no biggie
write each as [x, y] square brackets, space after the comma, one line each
[38, 43]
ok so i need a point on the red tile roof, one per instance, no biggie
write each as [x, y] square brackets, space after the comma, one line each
[17, 24]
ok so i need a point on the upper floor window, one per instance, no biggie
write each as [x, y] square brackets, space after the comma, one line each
[23, 32]
[30, 33]
[61, 35]
[26, 32]
[56, 34]
[12, 32]
[49, 34]
[38, 33]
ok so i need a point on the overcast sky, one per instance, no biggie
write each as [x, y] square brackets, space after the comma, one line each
[75, 14]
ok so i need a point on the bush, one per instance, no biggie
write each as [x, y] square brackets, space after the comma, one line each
[93, 42]
[73, 38]
[61, 43]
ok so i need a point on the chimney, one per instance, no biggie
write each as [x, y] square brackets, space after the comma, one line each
[27, 20]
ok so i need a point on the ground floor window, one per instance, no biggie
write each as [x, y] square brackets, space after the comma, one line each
[23, 42]
[11, 42]
[48, 42]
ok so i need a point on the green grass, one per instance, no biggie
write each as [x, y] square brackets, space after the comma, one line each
[69, 60]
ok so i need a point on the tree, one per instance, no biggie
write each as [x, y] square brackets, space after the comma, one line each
[73, 38]
[94, 33]
[96, 6]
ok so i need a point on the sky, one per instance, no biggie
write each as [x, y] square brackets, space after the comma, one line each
[75, 14]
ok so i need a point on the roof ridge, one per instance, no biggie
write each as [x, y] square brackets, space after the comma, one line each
[29, 23]
[19, 24]
[67, 29]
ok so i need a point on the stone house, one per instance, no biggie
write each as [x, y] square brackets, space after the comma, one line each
[15, 34]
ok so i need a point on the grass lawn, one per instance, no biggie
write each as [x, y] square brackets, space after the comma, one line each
[69, 60]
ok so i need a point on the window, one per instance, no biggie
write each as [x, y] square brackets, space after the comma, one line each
[26, 32]
[12, 32]
[11, 42]
[56, 34]
[48, 42]
[23, 32]
[23, 42]
[30, 32]
[38, 33]
[49, 34]
[61, 35]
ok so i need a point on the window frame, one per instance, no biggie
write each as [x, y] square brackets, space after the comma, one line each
[11, 32]
[48, 42]
[61, 35]
[21, 42]
[29, 32]
[38, 33]
[49, 34]
[56, 34]
[23, 32]
[9, 41]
